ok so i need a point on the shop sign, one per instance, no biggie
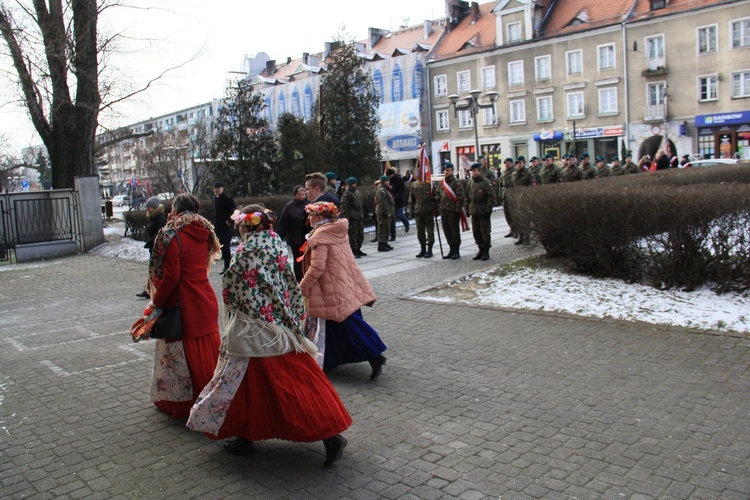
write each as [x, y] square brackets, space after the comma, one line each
[445, 146]
[588, 133]
[548, 135]
[403, 143]
[722, 119]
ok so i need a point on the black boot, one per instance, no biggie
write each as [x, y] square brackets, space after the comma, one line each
[450, 253]
[383, 248]
[479, 254]
[456, 255]
[428, 253]
[361, 253]
[486, 253]
[377, 366]
[334, 448]
[239, 446]
[421, 253]
[510, 235]
[522, 239]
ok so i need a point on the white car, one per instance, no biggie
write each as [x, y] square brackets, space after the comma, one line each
[120, 200]
[165, 196]
[713, 162]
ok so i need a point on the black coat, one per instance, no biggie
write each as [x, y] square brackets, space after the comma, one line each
[398, 189]
[292, 224]
[331, 198]
[224, 207]
[157, 222]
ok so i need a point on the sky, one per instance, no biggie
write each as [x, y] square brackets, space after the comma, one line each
[552, 290]
[209, 39]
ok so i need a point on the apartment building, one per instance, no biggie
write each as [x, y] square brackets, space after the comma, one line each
[593, 77]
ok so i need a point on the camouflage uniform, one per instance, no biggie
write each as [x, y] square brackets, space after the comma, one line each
[602, 171]
[522, 178]
[631, 168]
[422, 208]
[549, 175]
[481, 197]
[587, 172]
[571, 174]
[450, 214]
[386, 208]
[507, 181]
[617, 170]
[351, 208]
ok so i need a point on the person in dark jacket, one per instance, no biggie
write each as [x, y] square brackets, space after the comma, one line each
[292, 226]
[399, 190]
[157, 219]
[224, 207]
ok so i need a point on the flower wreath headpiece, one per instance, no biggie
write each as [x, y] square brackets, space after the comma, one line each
[322, 208]
[254, 220]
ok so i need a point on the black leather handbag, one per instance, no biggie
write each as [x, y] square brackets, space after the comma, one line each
[169, 324]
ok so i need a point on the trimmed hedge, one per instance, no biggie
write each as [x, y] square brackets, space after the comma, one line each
[675, 228]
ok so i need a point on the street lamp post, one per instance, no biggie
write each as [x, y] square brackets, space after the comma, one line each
[473, 105]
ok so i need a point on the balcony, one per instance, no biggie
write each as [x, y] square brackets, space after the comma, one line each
[655, 113]
[655, 66]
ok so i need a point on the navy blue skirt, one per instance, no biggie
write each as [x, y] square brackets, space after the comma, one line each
[351, 341]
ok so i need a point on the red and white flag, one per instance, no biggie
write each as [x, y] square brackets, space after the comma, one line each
[423, 165]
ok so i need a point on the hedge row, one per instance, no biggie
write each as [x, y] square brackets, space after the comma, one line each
[677, 228]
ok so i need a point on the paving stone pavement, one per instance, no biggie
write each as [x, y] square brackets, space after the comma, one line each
[474, 402]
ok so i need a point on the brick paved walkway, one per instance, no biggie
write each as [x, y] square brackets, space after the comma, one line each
[473, 403]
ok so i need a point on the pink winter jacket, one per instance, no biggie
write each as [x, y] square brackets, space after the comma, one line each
[333, 284]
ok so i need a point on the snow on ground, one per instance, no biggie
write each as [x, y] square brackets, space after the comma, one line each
[543, 289]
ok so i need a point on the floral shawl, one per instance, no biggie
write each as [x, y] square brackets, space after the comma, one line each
[260, 289]
[165, 235]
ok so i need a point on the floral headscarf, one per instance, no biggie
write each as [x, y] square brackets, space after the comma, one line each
[165, 235]
[260, 285]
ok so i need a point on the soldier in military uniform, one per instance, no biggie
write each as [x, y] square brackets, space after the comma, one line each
[352, 208]
[481, 198]
[570, 171]
[587, 169]
[506, 178]
[451, 210]
[422, 207]
[549, 173]
[602, 170]
[630, 166]
[522, 178]
[385, 210]
[535, 165]
[616, 168]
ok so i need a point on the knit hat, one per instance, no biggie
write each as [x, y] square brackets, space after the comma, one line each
[384, 178]
[351, 180]
[153, 202]
[331, 175]
[297, 188]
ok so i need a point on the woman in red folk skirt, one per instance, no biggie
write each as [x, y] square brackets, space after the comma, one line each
[267, 384]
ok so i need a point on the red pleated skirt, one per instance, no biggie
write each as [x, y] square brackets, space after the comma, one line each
[285, 397]
[201, 355]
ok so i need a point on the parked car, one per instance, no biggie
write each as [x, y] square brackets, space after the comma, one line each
[120, 200]
[713, 162]
[165, 196]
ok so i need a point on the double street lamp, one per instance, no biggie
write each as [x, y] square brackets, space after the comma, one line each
[472, 105]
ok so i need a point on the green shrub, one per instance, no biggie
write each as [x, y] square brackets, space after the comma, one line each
[676, 228]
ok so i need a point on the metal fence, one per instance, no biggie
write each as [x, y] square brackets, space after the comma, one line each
[37, 217]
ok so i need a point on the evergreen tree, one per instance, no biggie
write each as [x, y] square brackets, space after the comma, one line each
[244, 146]
[301, 150]
[350, 115]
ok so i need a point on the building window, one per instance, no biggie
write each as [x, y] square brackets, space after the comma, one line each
[655, 51]
[706, 145]
[515, 72]
[741, 84]
[708, 88]
[574, 102]
[606, 57]
[656, 98]
[741, 33]
[464, 81]
[708, 40]
[441, 85]
[488, 77]
[441, 119]
[543, 67]
[518, 111]
[464, 119]
[608, 101]
[489, 115]
[574, 61]
[544, 109]
[514, 32]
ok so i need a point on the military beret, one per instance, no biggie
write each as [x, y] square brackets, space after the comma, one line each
[534, 158]
[615, 158]
[585, 155]
[628, 155]
[508, 160]
[384, 178]
[475, 165]
[351, 180]
[599, 158]
[480, 157]
[448, 165]
[549, 156]
[521, 158]
[331, 175]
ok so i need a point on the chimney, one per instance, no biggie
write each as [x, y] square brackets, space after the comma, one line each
[427, 29]
[305, 57]
[270, 68]
[288, 60]
[474, 12]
